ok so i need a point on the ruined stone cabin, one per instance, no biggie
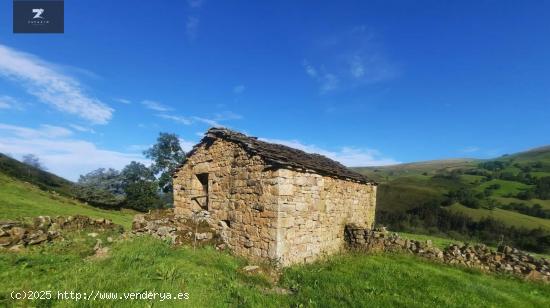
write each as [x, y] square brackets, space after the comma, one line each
[270, 201]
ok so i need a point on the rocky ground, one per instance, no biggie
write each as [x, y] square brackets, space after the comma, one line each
[164, 224]
[15, 235]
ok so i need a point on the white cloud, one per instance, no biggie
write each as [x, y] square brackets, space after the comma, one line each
[192, 26]
[153, 105]
[327, 81]
[469, 149]
[195, 3]
[186, 145]
[50, 86]
[207, 121]
[123, 101]
[348, 156]
[350, 59]
[61, 155]
[239, 89]
[8, 102]
[45, 131]
[214, 121]
[82, 128]
[175, 118]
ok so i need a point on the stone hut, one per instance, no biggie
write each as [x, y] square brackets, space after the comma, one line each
[270, 201]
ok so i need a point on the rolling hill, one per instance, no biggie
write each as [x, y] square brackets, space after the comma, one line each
[503, 190]
[27, 192]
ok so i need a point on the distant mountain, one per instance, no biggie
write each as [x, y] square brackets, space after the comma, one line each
[40, 178]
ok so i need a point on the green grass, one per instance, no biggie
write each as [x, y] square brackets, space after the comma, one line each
[19, 200]
[507, 188]
[545, 204]
[540, 174]
[508, 217]
[215, 279]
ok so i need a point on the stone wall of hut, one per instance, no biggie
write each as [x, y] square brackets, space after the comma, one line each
[287, 216]
[313, 212]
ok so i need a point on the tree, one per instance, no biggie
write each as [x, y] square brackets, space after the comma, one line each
[134, 172]
[102, 188]
[166, 155]
[142, 196]
[543, 187]
[141, 187]
[33, 161]
[103, 179]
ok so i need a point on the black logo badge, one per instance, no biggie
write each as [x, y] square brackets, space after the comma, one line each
[38, 16]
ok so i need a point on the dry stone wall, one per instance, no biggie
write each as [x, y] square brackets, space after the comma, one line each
[313, 211]
[241, 200]
[15, 234]
[505, 259]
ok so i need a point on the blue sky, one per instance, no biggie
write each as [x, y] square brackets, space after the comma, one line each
[363, 82]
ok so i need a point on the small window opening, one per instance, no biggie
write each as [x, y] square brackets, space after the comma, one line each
[203, 199]
[228, 223]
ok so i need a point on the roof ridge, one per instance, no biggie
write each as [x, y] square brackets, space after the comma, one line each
[285, 156]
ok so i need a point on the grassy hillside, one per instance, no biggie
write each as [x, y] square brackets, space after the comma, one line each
[42, 179]
[504, 189]
[19, 200]
[216, 279]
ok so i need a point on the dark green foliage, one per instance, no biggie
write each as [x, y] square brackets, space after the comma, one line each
[101, 188]
[535, 210]
[98, 197]
[432, 219]
[141, 187]
[142, 196]
[465, 197]
[166, 155]
[103, 179]
[494, 165]
[542, 189]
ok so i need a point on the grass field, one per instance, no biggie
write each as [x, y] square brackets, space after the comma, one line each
[19, 200]
[506, 187]
[545, 204]
[508, 217]
[215, 279]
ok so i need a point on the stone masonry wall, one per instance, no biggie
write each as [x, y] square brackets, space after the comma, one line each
[504, 260]
[287, 216]
[241, 198]
[313, 212]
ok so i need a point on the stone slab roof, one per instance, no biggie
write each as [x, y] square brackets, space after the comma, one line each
[281, 156]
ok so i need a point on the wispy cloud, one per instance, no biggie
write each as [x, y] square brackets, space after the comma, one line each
[60, 154]
[8, 102]
[350, 59]
[193, 19]
[156, 106]
[239, 89]
[82, 128]
[215, 120]
[49, 85]
[195, 3]
[186, 145]
[192, 26]
[470, 149]
[175, 118]
[45, 131]
[327, 81]
[348, 156]
[123, 101]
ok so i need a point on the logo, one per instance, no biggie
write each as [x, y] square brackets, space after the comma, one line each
[38, 13]
[38, 16]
